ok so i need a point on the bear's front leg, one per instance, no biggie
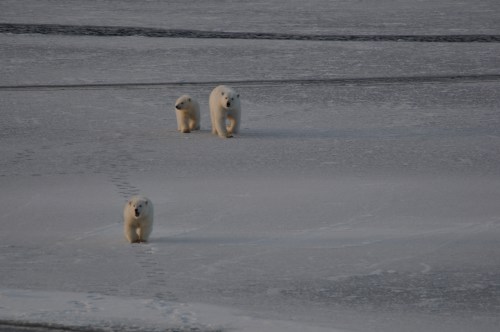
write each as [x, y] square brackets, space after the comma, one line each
[144, 231]
[220, 126]
[185, 124]
[131, 234]
[233, 126]
[178, 115]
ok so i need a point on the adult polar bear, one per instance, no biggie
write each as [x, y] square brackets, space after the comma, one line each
[225, 105]
[138, 219]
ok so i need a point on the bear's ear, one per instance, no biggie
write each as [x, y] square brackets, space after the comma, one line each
[189, 99]
[146, 202]
[222, 93]
[130, 203]
[238, 95]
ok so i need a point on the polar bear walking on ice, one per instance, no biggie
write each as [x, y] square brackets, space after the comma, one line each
[225, 105]
[187, 111]
[138, 219]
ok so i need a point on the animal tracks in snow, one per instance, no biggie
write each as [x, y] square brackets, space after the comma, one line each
[99, 311]
[426, 268]
[153, 272]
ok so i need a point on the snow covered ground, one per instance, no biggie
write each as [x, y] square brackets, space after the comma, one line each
[363, 193]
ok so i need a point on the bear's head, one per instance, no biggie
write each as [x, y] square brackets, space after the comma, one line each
[140, 206]
[184, 102]
[229, 99]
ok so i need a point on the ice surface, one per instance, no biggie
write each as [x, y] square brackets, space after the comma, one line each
[346, 203]
[297, 16]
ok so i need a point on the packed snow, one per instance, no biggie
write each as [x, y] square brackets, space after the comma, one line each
[355, 198]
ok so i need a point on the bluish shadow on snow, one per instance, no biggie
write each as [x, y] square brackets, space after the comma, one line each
[212, 240]
[368, 133]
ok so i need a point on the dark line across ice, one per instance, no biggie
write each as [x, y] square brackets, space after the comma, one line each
[115, 31]
[20, 326]
[443, 79]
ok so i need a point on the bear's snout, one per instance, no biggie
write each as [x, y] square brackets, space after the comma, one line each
[178, 107]
[137, 212]
[228, 104]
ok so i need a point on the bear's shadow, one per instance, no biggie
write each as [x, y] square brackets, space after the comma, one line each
[216, 240]
[332, 133]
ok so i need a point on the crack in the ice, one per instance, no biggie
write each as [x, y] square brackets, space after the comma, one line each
[114, 31]
[341, 81]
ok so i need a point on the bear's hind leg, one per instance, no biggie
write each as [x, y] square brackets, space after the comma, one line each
[196, 120]
[185, 125]
[193, 125]
[212, 120]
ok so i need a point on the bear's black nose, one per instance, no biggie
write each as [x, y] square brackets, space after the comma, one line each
[136, 212]
[178, 107]
[228, 104]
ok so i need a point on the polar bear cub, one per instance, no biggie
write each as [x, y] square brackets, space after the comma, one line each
[138, 219]
[225, 105]
[187, 111]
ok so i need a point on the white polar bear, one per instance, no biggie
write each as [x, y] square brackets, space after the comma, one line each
[225, 104]
[187, 111]
[138, 219]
